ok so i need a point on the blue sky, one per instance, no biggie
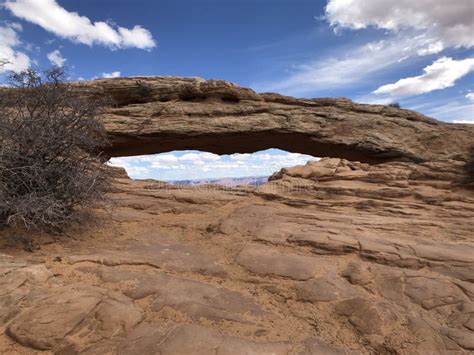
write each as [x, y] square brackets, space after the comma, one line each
[191, 165]
[418, 53]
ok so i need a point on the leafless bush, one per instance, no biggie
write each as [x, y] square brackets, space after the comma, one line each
[50, 171]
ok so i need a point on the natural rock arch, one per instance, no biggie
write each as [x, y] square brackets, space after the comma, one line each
[159, 114]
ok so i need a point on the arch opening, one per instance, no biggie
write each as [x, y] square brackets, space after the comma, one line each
[194, 167]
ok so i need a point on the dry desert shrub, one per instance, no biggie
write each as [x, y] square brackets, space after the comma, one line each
[50, 168]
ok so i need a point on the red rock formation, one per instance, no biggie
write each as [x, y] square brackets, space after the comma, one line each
[333, 257]
[159, 114]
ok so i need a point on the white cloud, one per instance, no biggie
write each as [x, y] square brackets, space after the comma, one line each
[128, 165]
[350, 67]
[197, 165]
[470, 96]
[137, 170]
[431, 48]
[114, 74]
[136, 37]
[56, 58]
[444, 24]
[9, 44]
[70, 25]
[442, 74]
[16, 26]
[453, 110]
[372, 99]
[413, 28]
[166, 158]
[464, 121]
[199, 157]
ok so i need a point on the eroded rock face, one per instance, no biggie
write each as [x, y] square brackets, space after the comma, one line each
[160, 254]
[333, 257]
[195, 299]
[327, 288]
[159, 114]
[42, 313]
[268, 261]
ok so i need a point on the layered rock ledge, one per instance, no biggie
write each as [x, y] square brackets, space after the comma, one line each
[333, 257]
[159, 114]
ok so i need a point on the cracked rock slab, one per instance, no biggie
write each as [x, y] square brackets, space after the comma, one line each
[463, 337]
[65, 311]
[267, 261]
[362, 314]
[193, 298]
[317, 347]
[197, 340]
[325, 243]
[330, 287]
[162, 255]
[432, 293]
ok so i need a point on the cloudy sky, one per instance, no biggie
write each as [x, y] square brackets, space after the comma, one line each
[190, 165]
[419, 53]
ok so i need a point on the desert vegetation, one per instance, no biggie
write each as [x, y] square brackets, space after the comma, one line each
[394, 105]
[51, 168]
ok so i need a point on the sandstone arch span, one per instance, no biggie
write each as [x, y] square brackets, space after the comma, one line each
[159, 114]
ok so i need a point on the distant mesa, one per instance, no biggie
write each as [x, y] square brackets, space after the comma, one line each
[228, 182]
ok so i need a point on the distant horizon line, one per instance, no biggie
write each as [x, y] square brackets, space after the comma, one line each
[211, 179]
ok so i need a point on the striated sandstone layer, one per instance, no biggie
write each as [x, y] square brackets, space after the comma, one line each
[334, 257]
[159, 114]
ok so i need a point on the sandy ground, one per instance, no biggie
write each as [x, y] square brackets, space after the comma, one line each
[337, 266]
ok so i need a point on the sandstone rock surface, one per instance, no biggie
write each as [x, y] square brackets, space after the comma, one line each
[331, 257]
[268, 261]
[159, 114]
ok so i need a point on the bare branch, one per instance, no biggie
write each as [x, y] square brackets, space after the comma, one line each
[49, 165]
